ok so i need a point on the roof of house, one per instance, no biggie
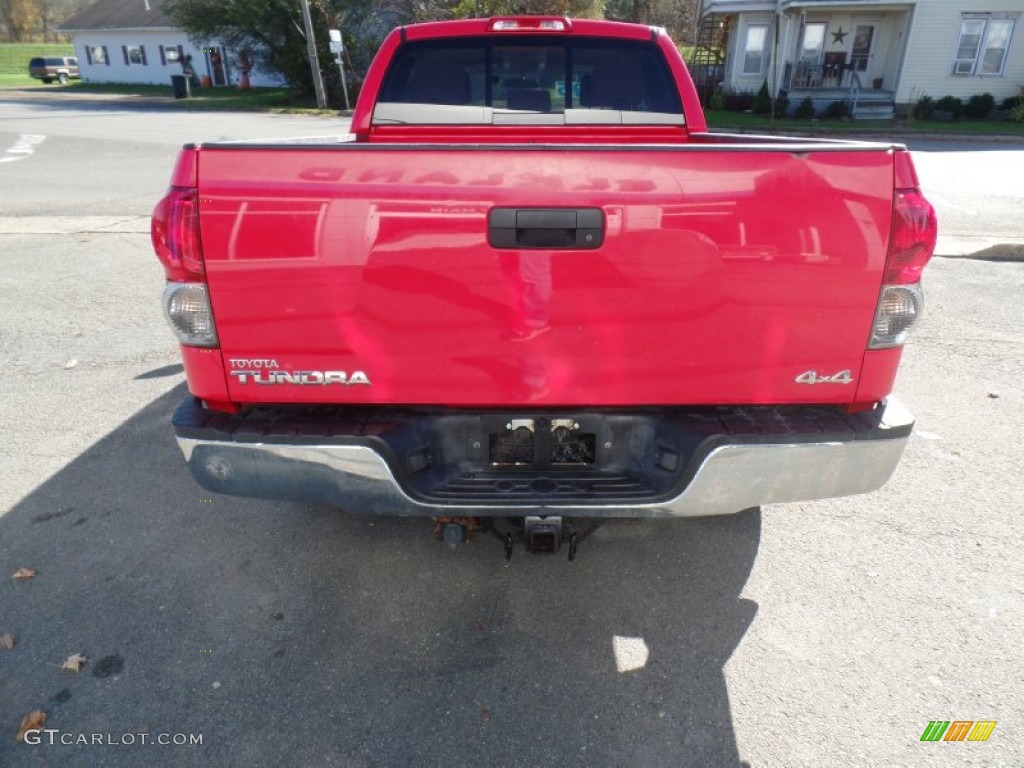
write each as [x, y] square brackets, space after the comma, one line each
[736, 6]
[120, 14]
[844, 3]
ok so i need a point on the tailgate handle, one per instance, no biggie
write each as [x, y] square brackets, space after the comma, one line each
[550, 228]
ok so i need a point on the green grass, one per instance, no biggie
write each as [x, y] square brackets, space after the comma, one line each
[255, 100]
[14, 57]
[721, 120]
[16, 81]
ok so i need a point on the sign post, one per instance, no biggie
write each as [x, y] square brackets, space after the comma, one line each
[338, 47]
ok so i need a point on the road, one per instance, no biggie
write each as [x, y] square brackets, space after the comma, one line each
[977, 189]
[826, 633]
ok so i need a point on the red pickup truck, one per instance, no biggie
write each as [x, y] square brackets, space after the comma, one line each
[530, 285]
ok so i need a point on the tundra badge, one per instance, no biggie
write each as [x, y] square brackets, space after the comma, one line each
[303, 378]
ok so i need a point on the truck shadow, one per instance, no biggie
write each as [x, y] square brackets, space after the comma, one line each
[308, 636]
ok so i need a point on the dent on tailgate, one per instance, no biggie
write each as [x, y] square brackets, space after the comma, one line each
[723, 276]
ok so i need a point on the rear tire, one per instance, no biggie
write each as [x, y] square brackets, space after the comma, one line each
[62, 79]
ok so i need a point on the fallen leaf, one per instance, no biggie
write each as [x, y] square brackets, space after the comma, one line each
[74, 662]
[31, 722]
[485, 715]
[993, 395]
[7, 641]
[70, 364]
[25, 573]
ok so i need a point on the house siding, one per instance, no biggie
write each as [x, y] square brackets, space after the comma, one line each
[156, 70]
[928, 67]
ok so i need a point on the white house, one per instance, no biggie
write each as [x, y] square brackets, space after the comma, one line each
[134, 41]
[873, 53]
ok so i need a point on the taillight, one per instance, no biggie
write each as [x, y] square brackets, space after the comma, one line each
[175, 232]
[899, 307]
[913, 237]
[914, 229]
[186, 301]
[188, 312]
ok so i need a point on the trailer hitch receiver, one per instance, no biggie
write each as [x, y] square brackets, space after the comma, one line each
[543, 534]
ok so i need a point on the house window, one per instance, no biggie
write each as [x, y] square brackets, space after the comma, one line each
[97, 54]
[134, 54]
[981, 49]
[754, 47]
[171, 52]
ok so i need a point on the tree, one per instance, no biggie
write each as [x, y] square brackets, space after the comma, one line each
[486, 8]
[364, 24]
[269, 31]
[410, 11]
[677, 16]
[31, 21]
[20, 18]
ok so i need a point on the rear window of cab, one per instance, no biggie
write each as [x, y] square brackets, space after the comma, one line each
[528, 81]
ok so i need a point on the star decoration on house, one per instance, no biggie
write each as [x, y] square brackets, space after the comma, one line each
[839, 36]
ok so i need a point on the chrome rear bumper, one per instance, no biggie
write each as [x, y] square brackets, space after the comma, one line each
[725, 474]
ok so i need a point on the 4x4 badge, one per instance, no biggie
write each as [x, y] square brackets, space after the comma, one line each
[813, 377]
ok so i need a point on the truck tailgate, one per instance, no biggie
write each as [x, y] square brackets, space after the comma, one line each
[718, 275]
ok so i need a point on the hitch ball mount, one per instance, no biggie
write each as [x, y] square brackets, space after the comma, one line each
[540, 535]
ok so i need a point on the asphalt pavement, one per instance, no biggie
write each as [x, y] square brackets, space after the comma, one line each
[824, 633]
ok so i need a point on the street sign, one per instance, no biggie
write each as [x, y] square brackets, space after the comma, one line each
[338, 47]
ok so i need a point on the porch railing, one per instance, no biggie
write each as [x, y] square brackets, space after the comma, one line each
[855, 88]
[805, 75]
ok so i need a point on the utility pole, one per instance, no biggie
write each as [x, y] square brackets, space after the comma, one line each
[314, 62]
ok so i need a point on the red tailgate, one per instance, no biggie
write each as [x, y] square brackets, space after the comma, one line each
[724, 275]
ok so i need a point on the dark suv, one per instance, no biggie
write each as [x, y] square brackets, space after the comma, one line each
[50, 68]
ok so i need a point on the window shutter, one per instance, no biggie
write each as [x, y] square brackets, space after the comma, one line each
[124, 50]
[163, 57]
[106, 56]
[142, 52]
[88, 54]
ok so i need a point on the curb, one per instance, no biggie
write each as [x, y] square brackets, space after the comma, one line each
[1007, 253]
